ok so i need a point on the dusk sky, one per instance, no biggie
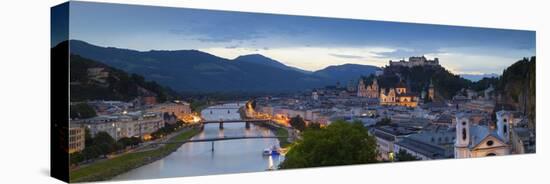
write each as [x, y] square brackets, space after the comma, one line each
[308, 43]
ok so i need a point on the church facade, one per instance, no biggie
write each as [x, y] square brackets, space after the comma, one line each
[481, 141]
[398, 96]
[368, 91]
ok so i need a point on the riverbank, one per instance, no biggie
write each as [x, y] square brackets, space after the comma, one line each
[281, 132]
[108, 169]
[277, 130]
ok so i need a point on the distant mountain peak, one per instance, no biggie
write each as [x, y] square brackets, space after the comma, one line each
[346, 72]
[256, 58]
[252, 55]
[195, 70]
[264, 60]
[477, 77]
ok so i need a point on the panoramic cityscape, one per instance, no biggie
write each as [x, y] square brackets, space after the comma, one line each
[160, 92]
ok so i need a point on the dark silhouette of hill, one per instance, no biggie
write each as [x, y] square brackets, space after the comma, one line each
[117, 85]
[193, 70]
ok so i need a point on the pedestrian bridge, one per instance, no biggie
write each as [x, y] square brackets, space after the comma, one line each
[212, 140]
[234, 121]
[246, 121]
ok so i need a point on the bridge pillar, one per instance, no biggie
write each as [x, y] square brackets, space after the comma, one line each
[221, 125]
[247, 125]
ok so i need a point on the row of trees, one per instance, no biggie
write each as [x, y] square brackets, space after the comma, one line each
[167, 129]
[300, 124]
[81, 111]
[102, 144]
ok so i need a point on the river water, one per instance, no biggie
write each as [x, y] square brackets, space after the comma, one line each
[230, 156]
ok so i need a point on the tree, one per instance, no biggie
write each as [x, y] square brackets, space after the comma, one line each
[76, 158]
[90, 152]
[340, 143]
[82, 111]
[88, 140]
[129, 142]
[403, 155]
[105, 143]
[314, 126]
[298, 123]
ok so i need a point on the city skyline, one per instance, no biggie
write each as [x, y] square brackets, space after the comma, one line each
[158, 92]
[309, 43]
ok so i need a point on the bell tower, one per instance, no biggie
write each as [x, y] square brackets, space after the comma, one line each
[361, 89]
[462, 139]
[504, 121]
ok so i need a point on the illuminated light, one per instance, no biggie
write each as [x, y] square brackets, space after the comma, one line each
[391, 156]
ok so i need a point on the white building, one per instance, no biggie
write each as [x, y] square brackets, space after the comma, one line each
[133, 124]
[480, 141]
[178, 108]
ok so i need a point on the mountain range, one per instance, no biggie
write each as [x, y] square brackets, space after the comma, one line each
[477, 77]
[197, 71]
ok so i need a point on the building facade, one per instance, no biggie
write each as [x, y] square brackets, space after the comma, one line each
[76, 139]
[179, 108]
[368, 91]
[398, 96]
[480, 141]
[132, 124]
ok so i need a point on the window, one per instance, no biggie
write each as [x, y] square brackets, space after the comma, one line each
[491, 154]
[490, 143]
[463, 134]
[463, 123]
[505, 129]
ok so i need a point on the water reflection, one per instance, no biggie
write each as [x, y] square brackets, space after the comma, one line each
[231, 156]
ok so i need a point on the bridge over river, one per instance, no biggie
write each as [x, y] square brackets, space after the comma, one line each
[246, 121]
[237, 149]
[214, 139]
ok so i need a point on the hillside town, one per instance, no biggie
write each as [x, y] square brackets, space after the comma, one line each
[409, 120]
[415, 122]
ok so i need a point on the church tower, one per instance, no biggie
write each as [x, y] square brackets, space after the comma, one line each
[375, 85]
[462, 139]
[361, 89]
[372, 90]
[431, 91]
[504, 121]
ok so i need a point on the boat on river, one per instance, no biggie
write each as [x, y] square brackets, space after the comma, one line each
[273, 150]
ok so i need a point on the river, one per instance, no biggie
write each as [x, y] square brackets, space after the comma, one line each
[230, 156]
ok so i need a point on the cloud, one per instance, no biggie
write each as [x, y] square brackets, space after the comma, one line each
[346, 56]
[212, 34]
[232, 47]
[405, 53]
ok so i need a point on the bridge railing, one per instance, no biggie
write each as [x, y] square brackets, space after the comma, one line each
[221, 139]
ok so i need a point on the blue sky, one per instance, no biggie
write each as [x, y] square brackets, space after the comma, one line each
[309, 43]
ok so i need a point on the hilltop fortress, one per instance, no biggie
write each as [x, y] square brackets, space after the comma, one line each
[415, 61]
